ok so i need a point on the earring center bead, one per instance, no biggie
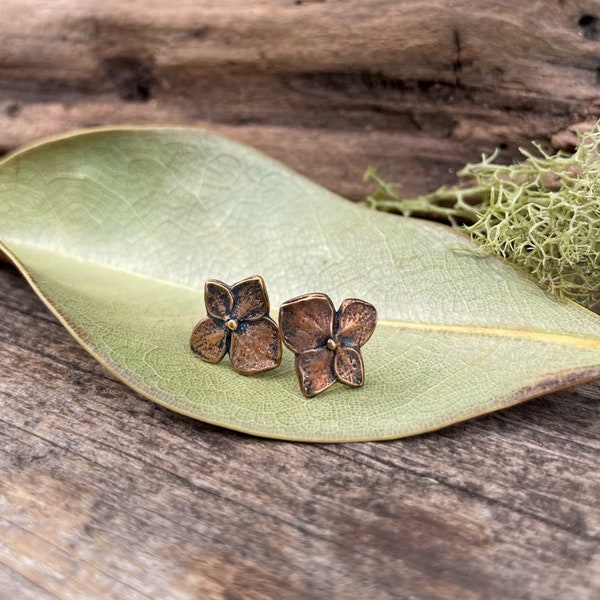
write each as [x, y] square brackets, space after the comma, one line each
[331, 344]
[231, 324]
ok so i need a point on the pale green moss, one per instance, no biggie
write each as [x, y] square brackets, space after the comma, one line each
[542, 214]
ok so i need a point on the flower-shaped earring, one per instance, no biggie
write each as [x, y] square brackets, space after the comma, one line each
[238, 322]
[326, 343]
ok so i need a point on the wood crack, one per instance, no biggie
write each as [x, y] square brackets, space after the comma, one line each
[457, 63]
[487, 499]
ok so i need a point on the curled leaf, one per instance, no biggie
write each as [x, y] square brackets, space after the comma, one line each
[117, 230]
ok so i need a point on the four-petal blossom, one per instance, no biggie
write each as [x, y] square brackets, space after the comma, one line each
[238, 322]
[326, 343]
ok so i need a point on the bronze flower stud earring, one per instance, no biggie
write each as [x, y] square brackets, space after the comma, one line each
[238, 323]
[326, 343]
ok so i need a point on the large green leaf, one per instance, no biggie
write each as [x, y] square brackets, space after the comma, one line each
[118, 229]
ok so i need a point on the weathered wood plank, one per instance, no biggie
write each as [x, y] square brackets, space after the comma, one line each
[106, 495]
[328, 87]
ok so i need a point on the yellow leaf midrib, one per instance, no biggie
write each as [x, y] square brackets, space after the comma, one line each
[579, 341]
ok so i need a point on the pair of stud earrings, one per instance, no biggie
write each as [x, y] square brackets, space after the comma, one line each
[326, 342]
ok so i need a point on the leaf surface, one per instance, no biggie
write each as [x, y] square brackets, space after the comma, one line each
[118, 229]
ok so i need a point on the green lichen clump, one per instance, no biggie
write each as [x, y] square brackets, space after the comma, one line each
[542, 214]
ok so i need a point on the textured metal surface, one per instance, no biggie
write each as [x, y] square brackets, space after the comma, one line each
[326, 342]
[238, 324]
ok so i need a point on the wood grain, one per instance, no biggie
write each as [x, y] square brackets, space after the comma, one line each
[105, 495]
[414, 88]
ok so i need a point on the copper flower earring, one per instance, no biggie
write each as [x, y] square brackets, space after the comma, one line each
[238, 323]
[326, 342]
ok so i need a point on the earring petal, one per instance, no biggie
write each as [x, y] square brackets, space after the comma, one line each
[306, 322]
[356, 322]
[348, 366]
[209, 340]
[250, 299]
[255, 347]
[218, 299]
[315, 371]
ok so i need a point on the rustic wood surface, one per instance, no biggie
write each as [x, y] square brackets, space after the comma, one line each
[416, 88]
[106, 495]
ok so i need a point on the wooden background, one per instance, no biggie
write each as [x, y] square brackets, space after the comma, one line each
[105, 495]
[416, 88]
